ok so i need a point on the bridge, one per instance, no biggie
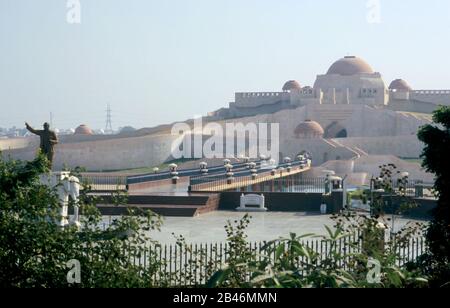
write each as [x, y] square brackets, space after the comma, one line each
[245, 178]
[191, 192]
[214, 179]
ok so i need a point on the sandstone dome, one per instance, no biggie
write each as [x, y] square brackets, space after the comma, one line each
[309, 129]
[349, 66]
[83, 129]
[400, 85]
[291, 85]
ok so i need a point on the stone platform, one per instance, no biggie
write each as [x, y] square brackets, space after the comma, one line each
[174, 205]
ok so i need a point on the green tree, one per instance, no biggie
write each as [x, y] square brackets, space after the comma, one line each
[436, 159]
[34, 250]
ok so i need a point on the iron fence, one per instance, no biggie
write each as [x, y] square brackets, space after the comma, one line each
[263, 183]
[297, 184]
[101, 182]
[415, 188]
[194, 264]
[411, 250]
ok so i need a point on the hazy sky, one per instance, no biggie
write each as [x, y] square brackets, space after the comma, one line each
[162, 61]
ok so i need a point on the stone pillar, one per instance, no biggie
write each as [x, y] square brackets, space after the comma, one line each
[288, 162]
[203, 168]
[319, 95]
[174, 173]
[229, 173]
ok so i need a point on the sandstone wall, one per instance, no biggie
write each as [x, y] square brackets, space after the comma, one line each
[17, 143]
[113, 154]
[401, 146]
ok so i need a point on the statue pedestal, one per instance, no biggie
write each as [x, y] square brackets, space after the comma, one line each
[252, 203]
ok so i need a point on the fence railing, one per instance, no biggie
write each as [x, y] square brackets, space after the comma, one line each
[414, 188]
[100, 182]
[104, 182]
[411, 251]
[149, 177]
[194, 264]
[296, 184]
[243, 180]
[266, 183]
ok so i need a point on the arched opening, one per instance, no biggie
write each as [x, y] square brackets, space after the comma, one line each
[335, 130]
[342, 134]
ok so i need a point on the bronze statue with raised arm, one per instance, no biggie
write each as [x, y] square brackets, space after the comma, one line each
[48, 140]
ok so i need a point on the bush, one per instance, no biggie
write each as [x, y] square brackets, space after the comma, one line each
[354, 245]
[34, 250]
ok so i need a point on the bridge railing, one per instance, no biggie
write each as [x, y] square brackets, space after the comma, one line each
[241, 179]
[105, 182]
[150, 177]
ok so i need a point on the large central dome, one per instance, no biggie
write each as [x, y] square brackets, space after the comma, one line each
[349, 66]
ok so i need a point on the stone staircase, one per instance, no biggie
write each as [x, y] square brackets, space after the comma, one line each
[165, 205]
[334, 113]
[417, 116]
[358, 153]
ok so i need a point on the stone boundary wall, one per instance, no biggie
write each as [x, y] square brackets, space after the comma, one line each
[412, 106]
[112, 154]
[17, 143]
[254, 99]
[437, 97]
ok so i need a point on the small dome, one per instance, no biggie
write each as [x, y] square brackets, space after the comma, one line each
[349, 66]
[291, 85]
[83, 130]
[400, 85]
[309, 129]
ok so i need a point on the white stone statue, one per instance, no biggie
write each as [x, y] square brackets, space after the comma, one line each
[66, 186]
[74, 192]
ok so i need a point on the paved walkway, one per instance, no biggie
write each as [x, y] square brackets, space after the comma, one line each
[209, 228]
